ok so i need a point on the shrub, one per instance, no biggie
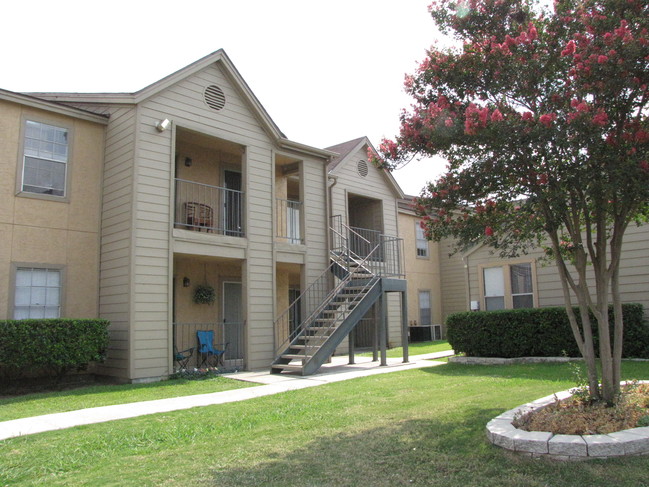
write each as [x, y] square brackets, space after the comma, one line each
[51, 345]
[536, 332]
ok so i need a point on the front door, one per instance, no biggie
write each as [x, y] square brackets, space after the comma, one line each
[232, 205]
[233, 320]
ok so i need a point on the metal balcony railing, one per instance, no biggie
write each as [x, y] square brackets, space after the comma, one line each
[212, 209]
[288, 215]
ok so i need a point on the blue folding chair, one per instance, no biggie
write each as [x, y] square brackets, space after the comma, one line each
[207, 349]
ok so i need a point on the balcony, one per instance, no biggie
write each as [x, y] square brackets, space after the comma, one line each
[211, 209]
[288, 215]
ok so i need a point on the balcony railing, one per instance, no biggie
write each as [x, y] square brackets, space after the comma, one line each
[211, 209]
[224, 333]
[288, 215]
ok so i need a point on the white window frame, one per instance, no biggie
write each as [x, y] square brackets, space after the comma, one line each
[420, 308]
[47, 156]
[421, 243]
[506, 270]
[34, 307]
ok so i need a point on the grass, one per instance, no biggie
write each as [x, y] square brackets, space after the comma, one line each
[420, 427]
[107, 395]
[416, 348]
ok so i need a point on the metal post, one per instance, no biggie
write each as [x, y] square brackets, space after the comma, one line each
[384, 330]
[404, 326]
[351, 341]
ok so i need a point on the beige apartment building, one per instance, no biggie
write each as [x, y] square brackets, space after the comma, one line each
[121, 205]
[182, 207]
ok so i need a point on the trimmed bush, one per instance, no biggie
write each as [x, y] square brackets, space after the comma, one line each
[535, 332]
[51, 345]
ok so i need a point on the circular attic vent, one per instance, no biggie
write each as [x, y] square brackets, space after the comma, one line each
[362, 168]
[214, 97]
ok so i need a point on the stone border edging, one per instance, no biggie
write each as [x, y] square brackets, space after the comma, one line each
[501, 432]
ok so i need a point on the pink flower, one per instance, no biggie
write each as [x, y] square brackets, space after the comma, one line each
[547, 119]
[600, 119]
[448, 122]
[488, 231]
[602, 59]
[570, 49]
[527, 116]
[496, 116]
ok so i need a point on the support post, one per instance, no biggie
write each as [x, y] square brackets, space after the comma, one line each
[384, 330]
[351, 341]
[375, 336]
[404, 327]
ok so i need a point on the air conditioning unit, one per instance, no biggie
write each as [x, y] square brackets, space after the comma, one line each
[436, 332]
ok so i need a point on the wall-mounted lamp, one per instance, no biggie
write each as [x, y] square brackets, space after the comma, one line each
[163, 125]
[186, 282]
[188, 161]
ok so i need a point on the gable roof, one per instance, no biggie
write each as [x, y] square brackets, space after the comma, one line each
[346, 149]
[153, 89]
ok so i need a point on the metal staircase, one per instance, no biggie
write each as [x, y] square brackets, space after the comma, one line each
[330, 308]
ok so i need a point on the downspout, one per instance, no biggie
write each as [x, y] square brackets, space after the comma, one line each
[330, 206]
[467, 281]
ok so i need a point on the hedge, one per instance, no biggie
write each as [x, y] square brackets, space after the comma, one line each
[51, 345]
[536, 332]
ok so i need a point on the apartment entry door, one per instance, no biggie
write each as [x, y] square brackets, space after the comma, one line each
[233, 320]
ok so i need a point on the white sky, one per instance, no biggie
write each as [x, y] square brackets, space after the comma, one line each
[326, 71]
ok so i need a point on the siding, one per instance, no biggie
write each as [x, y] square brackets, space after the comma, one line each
[183, 104]
[634, 271]
[116, 238]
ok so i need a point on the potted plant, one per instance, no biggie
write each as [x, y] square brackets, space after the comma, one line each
[204, 294]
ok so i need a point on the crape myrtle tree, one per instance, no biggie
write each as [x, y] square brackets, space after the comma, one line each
[542, 116]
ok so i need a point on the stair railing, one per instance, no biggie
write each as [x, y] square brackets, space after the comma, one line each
[384, 259]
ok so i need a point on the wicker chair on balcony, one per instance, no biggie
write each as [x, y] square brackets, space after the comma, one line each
[199, 216]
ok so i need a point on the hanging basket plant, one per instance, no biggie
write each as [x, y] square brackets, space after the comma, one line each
[204, 294]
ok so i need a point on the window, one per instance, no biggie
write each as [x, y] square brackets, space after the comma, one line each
[424, 308]
[37, 293]
[509, 286]
[422, 242]
[45, 159]
[521, 279]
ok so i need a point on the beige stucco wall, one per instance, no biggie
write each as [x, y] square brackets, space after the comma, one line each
[52, 232]
[423, 273]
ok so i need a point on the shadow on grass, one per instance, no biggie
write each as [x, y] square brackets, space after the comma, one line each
[545, 371]
[420, 452]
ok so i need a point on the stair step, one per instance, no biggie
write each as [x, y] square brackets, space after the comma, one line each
[294, 367]
[296, 356]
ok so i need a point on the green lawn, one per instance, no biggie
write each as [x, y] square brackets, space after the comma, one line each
[420, 427]
[107, 395]
[417, 348]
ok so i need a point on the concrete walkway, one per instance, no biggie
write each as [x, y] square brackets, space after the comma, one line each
[337, 370]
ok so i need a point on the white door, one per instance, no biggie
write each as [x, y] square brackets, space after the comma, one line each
[233, 320]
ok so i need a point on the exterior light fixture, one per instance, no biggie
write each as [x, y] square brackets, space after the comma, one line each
[186, 282]
[163, 125]
[188, 161]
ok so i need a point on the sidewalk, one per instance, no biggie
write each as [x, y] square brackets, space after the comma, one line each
[337, 370]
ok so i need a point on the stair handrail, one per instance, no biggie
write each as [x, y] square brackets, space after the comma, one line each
[342, 256]
[296, 306]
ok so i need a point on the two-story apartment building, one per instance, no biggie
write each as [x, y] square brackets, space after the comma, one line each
[121, 205]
